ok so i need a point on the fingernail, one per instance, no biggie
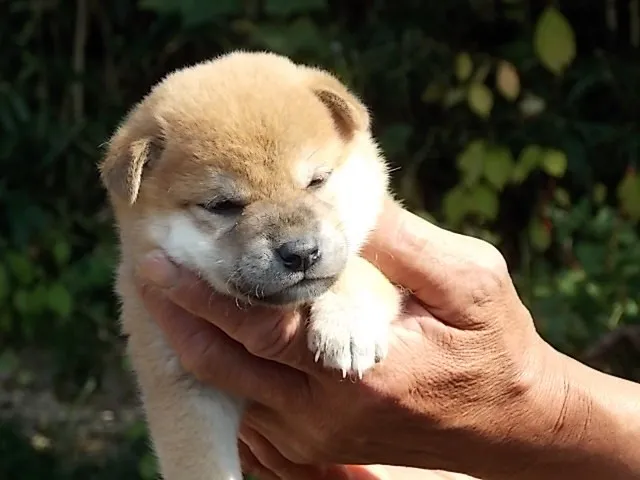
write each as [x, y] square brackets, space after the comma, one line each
[158, 270]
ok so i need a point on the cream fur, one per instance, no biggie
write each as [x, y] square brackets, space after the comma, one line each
[271, 125]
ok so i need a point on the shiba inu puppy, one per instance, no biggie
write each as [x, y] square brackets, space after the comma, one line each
[261, 176]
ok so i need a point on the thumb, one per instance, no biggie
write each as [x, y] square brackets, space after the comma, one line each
[434, 264]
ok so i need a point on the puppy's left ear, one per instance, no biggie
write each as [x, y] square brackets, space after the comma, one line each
[349, 113]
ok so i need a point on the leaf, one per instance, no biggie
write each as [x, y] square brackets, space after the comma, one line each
[629, 194]
[453, 96]
[289, 7]
[463, 66]
[599, 193]
[539, 235]
[480, 99]
[531, 105]
[562, 198]
[60, 300]
[21, 267]
[554, 41]
[483, 201]
[498, 166]
[434, 92]
[508, 81]
[454, 206]
[528, 160]
[470, 162]
[61, 252]
[4, 283]
[148, 467]
[554, 163]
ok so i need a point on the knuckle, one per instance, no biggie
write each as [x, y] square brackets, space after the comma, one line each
[270, 342]
[489, 266]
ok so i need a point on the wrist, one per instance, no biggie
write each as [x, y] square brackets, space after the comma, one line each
[574, 418]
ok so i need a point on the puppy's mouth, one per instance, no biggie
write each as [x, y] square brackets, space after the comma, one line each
[303, 291]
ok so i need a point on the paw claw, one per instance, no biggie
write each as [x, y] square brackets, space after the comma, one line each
[352, 342]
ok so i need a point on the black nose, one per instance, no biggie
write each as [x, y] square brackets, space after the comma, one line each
[299, 255]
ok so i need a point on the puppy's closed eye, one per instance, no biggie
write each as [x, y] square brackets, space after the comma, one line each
[318, 180]
[223, 207]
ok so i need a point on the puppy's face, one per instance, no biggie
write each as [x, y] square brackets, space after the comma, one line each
[259, 174]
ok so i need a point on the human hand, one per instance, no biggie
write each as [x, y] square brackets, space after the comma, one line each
[464, 375]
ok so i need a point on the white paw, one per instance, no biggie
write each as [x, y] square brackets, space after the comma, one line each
[349, 334]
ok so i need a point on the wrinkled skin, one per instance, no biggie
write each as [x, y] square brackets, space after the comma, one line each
[465, 370]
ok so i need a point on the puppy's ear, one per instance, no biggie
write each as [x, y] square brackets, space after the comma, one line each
[129, 152]
[349, 113]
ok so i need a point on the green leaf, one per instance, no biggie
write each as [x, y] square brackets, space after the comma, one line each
[599, 193]
[629, 194]
[61, 252]
[561, 196]
[498, 166]
[4, 283]
[434, 92]
[470, 162]
[21, 267]
[508, 81]
[539, 235]
[289, 7]
[480, 99]
[483, 201]
[528, 160]
[59, 299]
[554, 162]
[463, 66]
[148, 467]
[454, 206]
[554, 41]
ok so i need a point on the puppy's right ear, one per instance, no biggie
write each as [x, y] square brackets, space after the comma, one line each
[127, 156]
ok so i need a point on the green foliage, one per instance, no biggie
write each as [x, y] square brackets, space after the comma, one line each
[516, 124]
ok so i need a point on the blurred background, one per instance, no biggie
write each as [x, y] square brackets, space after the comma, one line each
[517, 121]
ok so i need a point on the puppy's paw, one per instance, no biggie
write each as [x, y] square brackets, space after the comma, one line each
[349, 333]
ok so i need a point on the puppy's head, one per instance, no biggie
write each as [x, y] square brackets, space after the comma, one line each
[259, 174]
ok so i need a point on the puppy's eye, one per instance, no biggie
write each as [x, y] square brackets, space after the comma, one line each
[318, 180]
[223, 207]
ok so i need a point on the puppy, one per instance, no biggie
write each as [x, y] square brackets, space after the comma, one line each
[262, 176]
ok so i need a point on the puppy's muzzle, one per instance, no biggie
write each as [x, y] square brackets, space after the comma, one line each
[290, 253]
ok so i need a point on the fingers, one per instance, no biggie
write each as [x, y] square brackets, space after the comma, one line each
[272, 460]
[436, 265]
[214, 359]
[265, 332]
[252, 466]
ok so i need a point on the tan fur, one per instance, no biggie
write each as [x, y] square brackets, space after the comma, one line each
[256, 128]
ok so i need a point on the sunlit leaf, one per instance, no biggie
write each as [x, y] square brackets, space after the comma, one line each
[470, 161]
[508, 80]
[480, 100]
[463, 66]
[531, 105]
[528, 160]
[554, 41]
[483, 201]
[454, 205]
[498, 166]
[629, 194]
[554, 162]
